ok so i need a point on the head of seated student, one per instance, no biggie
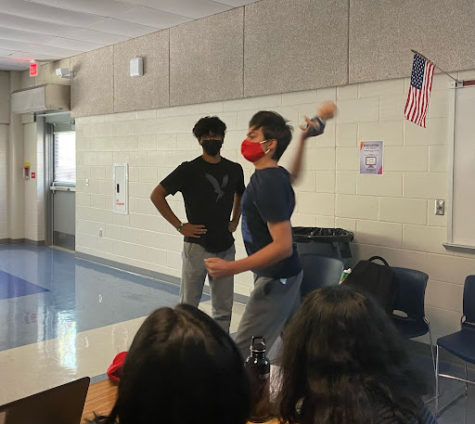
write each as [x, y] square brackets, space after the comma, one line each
[181, 368]
[344, 362]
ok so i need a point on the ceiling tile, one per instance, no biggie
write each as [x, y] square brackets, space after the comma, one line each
[236, 3]
[144, 15]
[27, 56]
[5, 52]
[26, 24]
[87, 34]
[47, 13]
[96, 7]
[55, 29]
[38, 50]
[190, 8]
[67, 43]
[16, 45]
[152, 17]
[25, 36]
[122, 27]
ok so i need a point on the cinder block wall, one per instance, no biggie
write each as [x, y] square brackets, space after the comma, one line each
[4, 130]
[3, 181]
[390, 214]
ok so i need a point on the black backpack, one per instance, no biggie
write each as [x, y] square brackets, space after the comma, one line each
[376, 280]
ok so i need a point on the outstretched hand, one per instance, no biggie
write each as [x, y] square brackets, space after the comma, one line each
[218, 268]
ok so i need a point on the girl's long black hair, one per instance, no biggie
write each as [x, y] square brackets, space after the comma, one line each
[343, 361]
[182, 368]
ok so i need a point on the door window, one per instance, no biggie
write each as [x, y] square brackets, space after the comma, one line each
[65, 157]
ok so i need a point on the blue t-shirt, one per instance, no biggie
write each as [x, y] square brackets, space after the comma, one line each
[269, 197]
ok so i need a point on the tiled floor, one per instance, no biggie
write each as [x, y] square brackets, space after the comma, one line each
[69, 317]
[62, 318]
[455, 407]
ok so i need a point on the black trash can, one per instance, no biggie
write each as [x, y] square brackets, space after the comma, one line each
[333, 242]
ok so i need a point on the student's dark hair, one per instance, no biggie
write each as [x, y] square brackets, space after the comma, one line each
[343, 360]
[182, 368]
[274, 126]
[208, 125]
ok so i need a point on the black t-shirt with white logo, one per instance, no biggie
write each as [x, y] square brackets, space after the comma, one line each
[208, 191]
[269, 197]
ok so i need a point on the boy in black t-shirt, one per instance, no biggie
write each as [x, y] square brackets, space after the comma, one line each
[212, 187]
[267, 207]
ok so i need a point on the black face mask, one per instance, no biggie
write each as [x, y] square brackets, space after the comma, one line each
[212, 147]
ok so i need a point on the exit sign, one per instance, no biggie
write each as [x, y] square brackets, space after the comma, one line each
[33, 69]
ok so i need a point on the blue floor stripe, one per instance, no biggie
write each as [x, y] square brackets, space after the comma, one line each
[11, 286]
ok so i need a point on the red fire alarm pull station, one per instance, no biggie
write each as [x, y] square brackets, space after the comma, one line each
[33, 175]
[33, 69]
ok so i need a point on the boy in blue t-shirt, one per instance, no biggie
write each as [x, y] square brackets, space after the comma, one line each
[267, 206]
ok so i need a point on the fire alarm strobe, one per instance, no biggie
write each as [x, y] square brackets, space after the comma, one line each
[136, 67]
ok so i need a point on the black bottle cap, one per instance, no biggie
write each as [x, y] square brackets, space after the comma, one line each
[258, 344]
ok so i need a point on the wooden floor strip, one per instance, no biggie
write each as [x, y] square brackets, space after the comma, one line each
[101, 397]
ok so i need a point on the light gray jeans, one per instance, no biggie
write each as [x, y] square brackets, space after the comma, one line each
[193, 276]
[271, 305]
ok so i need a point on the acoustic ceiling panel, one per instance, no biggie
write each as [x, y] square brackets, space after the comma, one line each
[56, 29]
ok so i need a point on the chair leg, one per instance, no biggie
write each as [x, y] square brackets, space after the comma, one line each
[437, 381]
[466, 379]
[431, 348]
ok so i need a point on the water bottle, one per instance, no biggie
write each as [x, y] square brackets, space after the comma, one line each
[257, 366]
[344, 274]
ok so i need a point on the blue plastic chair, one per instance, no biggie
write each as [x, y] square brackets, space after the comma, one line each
[410, 300]
[462, 343]
[412, 286]
[319, 271]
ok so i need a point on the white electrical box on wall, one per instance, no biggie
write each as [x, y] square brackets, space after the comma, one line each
[121, 192]
[136, 67]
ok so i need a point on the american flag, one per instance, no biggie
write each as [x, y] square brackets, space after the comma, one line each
[419, 91]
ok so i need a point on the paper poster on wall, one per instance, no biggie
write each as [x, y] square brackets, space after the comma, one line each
[371, 157]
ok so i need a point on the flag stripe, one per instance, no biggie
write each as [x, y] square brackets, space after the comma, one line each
[426, 91]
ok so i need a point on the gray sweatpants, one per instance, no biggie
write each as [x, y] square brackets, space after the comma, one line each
[271, 305]
[193, 276]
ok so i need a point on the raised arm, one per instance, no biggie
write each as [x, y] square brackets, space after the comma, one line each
[311, 128]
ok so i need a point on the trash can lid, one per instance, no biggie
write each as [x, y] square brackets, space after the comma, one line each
[306, 234]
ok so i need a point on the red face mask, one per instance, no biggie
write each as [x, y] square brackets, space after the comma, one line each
[252, 151]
